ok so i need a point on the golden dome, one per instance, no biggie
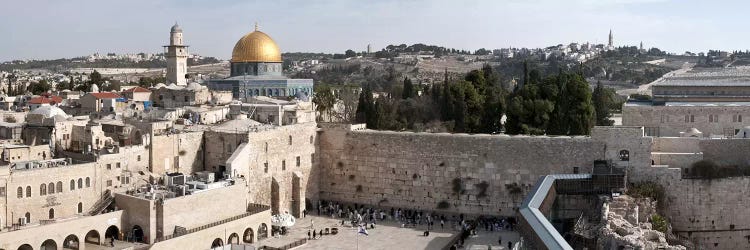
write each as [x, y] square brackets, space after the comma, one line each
[256, 46]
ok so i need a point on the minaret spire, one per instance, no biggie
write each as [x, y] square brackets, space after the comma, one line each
[256, 26]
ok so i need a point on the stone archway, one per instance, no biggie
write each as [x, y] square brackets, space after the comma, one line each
[262, 231]
[248, 236]
[92, 237]
[137, 234]
[234, 238]
[71, 242]
[25, 247]
[217, 243]
[49, 245]
[112, 231]
[275, 197]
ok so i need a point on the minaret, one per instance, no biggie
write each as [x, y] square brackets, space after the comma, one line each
[610, 38]
[641, 45]
[176, 54]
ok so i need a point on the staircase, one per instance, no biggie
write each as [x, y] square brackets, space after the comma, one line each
[102, 203]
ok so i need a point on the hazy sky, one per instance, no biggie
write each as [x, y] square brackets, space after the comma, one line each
[33, 29]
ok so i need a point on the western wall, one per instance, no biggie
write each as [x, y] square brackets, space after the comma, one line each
[472, 174]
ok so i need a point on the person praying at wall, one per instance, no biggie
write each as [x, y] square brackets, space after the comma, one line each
[315, 235]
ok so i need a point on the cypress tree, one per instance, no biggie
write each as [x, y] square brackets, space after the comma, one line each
[601, 101]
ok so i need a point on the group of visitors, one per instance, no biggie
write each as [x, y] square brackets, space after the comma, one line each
[368, 216]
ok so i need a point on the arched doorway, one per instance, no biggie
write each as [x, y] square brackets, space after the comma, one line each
[137, 234]
[112, 231]
[274, 197]
[92, 237]
[217, 243]
[51, 213]
[262, 231]
[25, 247]
[71, 242]
[49, 245]
[234, 238]
[248, 236]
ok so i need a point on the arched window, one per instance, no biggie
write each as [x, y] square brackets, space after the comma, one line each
[290, 140]
[88, 182]
[51, 188]
[51, 213]
[624, 155]
[80, 207]
[28, 191]
[43, 189]
[72, 185]
[265, 148]
[59, 187]
[311, 139]
[19, 193]
[262, 231]
[80, 183]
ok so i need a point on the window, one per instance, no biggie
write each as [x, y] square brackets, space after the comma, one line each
[298, 161]
[109, 166]
[624, 155]
[186, 99]
[311, 139]
[19, 193]
[689, 118]
[139, 157]
[72, 185]
[118, 165]
[43, 189]
[283, 165]
[51, 213]
[51, 188]
[290, 140]
[265, 167]
[265, 148]
[109, 183]
[575, 170]
[736, 118]
[88, 182]
[59, 187]
[80, 207]
[2, 191]
[713, 118]
[28, 191]
[312, 159]
[80, 183]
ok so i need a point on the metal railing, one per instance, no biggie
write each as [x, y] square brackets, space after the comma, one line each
[294, 244]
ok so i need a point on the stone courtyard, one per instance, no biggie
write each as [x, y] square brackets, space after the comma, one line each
[386, 235]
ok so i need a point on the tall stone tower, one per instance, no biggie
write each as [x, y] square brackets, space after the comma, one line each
[176, 54]
[610, 38]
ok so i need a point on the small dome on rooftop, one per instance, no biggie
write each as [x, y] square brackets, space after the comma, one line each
[48, 111]
[176, 28]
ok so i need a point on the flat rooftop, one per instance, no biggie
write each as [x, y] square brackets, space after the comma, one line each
[706, 77]
[688, 104]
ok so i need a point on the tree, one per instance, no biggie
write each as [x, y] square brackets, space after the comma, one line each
[602, 101]
[350, 53]
[580, 114]
[408, 91]
[39, 87]
[324, 102]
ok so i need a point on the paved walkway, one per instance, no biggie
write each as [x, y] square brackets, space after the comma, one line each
[119, 245]
[386, 235]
